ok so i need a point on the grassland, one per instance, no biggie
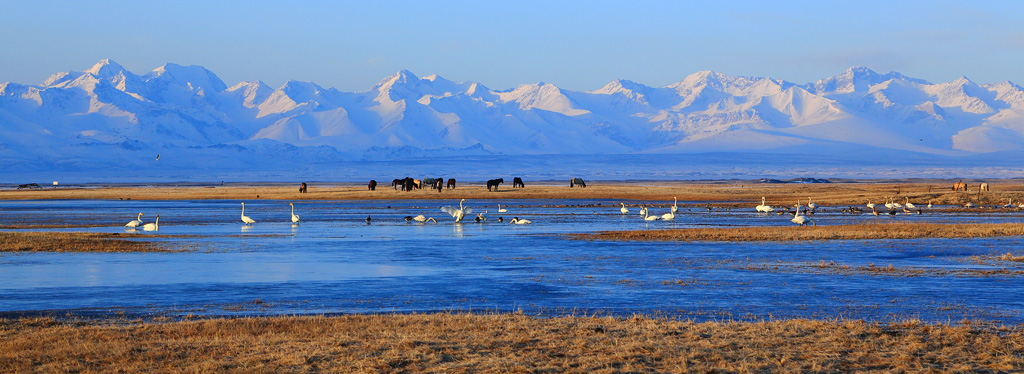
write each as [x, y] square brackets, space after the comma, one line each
[505, 343]
[76, 242]
[870, 231]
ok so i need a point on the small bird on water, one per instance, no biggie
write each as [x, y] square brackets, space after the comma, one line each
[367, 220]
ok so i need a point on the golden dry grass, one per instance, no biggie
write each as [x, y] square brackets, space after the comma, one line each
[507, 343]
[865, 231]
[74, 242]
[720, 193]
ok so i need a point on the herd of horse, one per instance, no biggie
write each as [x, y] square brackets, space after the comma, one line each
[439, 184]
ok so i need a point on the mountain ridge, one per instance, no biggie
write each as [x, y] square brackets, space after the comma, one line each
[107, 115]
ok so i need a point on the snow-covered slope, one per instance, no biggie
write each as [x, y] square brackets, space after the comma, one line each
[108, 118]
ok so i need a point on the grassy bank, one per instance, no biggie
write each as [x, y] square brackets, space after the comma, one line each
[510, 343]
[869, 231]
[76, 242]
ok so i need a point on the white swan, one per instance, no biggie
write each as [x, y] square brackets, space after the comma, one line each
[623, 209]
[155, 226]
[502, 210]
[764, 208]
[801, 220]
[895, 204]
[650, 218]
[668, 216]
[909, 204]
[295, 218]
[643, 211]
[135, 222]
[457, 213]
[675, 205]
[517, 221]
[245, 218]
[888, 203]
[811, 205]
[870, 205]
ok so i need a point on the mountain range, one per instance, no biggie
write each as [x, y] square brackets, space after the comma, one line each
[108, 118]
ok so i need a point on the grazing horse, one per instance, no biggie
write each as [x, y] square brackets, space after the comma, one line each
[408, 184]
[958, 186]
[577, 182]
[518, 182]
[418, 184]
[398, 183]
[438, 184]
[494, 183]
[983, 187]
[373, 185]
[302, 187]
[451, 183]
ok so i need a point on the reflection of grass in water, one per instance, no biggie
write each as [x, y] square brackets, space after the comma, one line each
[464, 343]
[832, 268]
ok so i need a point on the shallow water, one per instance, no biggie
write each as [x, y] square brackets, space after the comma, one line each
[333, 262]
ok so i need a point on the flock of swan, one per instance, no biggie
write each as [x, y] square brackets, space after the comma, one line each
[462, 212]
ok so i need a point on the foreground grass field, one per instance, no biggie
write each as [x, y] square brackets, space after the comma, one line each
[506, 343]
[76, 242]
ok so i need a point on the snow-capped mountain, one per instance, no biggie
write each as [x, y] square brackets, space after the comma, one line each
[109, 117]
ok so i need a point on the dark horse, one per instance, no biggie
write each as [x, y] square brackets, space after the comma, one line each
[434, 183]
[398, 183]
[518, 182]
[451, 183]
[438, 184]
[408, 184]
[494, 183]
[576, 182]
[373, 185]
[302, 187]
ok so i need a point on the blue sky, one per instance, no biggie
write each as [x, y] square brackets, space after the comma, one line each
[578, 45]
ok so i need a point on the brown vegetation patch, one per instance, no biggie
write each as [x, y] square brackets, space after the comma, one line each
[76, 242]
[460, 343]
[832, 268]
[798, 233]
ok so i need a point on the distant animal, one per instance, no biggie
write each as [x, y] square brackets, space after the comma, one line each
[811, 205]
[135, 222]
[494, 183]
[909, 204]
[458, 214]
[408, 184]
[245, 218]
[158, 157]
[623, 209]
[302, 187]
[418, 184]
[398, 183]
[295, 218]
[439, 184]
[451, 183]
[649, 218]
[577, 182]
[675, 205]
[959, 186]
[368, 219]
[870, 205]
[502, 210]
[481, 217]
[518, 182]
[429, 182]
[155, 226]
[517, 221]
[983, 187]
[763, 208]
[668, 216]
[373, 185]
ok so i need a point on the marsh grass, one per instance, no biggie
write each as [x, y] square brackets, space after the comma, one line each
[78, 242]
[513, 343]
[866, 231]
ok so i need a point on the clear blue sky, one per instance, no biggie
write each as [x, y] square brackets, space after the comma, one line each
[579, 45]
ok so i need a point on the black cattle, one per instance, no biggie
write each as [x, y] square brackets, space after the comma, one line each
[373, 185]
[451, 183]
[518, 182]
[577, 182]
[302, 187]
[494, 183]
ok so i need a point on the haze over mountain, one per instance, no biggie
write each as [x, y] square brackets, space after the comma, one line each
[108, 118]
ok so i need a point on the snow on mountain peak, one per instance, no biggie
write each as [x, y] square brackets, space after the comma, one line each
[195, 78]
[105, 68]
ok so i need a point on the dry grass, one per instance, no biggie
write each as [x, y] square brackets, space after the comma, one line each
[832, 268]
[798, 233]
[733, 194]
[460, 343]
[75, 242]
